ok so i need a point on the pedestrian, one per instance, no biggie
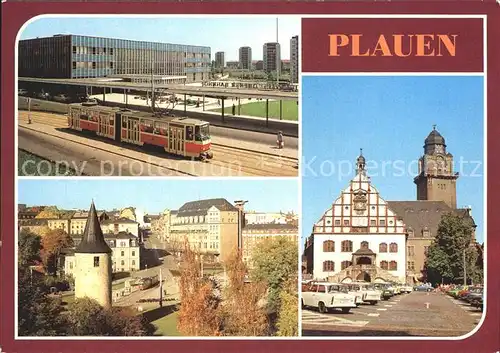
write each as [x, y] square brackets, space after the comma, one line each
[280, 142]
[234, 109]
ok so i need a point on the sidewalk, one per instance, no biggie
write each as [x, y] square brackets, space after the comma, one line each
[210, 103]
[257, 147]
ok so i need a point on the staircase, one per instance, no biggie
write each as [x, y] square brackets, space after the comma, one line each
[352, 272]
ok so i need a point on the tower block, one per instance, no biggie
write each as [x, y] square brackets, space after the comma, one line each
[93, 263]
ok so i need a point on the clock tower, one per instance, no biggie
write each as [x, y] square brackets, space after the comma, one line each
[436, 180]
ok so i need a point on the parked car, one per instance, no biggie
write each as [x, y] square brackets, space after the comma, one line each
[326, 296]
[423, 288]
[22, 92]
[370, 294]
[43, 95]
[62, 98]
[454, 291]
[476, 300]
[472, 293]
[354, 290]
[386, 289]
[406, 288]
[395, 288]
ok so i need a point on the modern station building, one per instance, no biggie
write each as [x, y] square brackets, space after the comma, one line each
[75, 56]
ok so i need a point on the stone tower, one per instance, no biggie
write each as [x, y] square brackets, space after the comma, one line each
[436, 180]
[93, 263]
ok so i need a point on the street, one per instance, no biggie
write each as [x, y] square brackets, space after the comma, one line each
[414, 314]
[156, 259]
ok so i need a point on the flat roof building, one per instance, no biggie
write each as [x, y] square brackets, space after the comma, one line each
[294, 59]
[75, 56]
[245, 56]
[272, 57]
[220, 60]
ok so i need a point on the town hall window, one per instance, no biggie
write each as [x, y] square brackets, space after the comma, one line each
[384, 265]
[393, 247]
[346, 222]
[347, 246]
[393, 266]
[382, 247]
[96, 261]
[328, 246]
[345, 264]
[328, 266]
[364, 245]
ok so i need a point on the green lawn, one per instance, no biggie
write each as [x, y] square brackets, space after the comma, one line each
[118, 286]
[290, 109]
[167, 325]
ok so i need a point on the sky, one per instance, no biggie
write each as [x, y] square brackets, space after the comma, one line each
[225, 34]
[156, 195]
[389, 117]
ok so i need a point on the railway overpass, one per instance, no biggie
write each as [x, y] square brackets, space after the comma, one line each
[221, 93]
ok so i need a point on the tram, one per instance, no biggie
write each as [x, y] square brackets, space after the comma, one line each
[176, 135]
[148, 282]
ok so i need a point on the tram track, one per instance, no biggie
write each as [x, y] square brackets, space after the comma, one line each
[238, 160]
[108, 151]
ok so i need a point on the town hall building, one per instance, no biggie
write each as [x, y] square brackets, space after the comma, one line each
[364, 237]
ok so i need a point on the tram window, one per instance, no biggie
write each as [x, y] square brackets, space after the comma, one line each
[161, 128]
[147, 126]
[202, 132]
[124, 123]
[189, 133]
[84, 117]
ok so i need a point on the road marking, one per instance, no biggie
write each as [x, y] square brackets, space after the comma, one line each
[476, 314]
[372, 314]
[381, 309]
[388, 306]
[427, 305]
[322, 319]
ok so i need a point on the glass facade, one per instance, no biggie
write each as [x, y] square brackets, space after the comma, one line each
[91, 57]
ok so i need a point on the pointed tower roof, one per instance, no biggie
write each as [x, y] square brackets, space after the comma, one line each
[93, 240]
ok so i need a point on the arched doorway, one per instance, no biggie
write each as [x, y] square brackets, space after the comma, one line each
[364, 260]
[363, 276]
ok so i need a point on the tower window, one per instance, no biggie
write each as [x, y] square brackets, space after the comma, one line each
[96, 261]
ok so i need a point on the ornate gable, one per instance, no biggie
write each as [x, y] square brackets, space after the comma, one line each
[359, 209]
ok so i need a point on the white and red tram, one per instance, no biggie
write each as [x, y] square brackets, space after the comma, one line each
[177, 135]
